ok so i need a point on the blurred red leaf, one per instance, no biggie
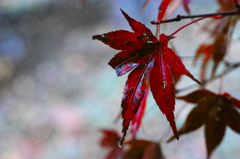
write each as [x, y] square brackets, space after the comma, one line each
[235, 101]
[144, 5]
[161, 12]
[186, 4]
[173, 6]
[226, 5]
[236, 3]
[162, 9]
[215, 111]
[110, 140]
[149, 58]
[216, 50]
[207, 51]
[115, 153]
[142, 149]
[153, 151]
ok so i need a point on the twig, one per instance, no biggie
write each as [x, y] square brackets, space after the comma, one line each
[180, 17]
[229, 69]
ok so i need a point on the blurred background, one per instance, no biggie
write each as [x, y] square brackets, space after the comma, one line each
[57, 91]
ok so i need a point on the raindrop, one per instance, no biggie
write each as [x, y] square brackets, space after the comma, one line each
[120, 143]
[164, 84]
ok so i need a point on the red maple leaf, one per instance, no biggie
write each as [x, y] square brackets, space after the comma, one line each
[213, 110]
[148, 58]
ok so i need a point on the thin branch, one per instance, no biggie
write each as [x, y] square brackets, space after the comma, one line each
[180, 17]
[225, 72]
[229, 69]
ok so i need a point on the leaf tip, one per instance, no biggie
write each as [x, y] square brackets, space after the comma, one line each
[172, 138]
[122, 12]
[176, 135]
[199, 82]
[121, 141]
[96, 37]
[125, 15]
[169, 140]
[191, 76]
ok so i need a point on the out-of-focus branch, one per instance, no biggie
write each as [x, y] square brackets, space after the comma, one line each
[229, 68]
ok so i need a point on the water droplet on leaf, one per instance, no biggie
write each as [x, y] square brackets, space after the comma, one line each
[120, 143]
[164, 84]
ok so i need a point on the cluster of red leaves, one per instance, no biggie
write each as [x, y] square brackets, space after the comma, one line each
[149, 59]
[138, 149]
[221, 32]
[215, 112]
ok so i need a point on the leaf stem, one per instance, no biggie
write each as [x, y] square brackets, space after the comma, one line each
[187, 25]
[221, 83]
[180, 17]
